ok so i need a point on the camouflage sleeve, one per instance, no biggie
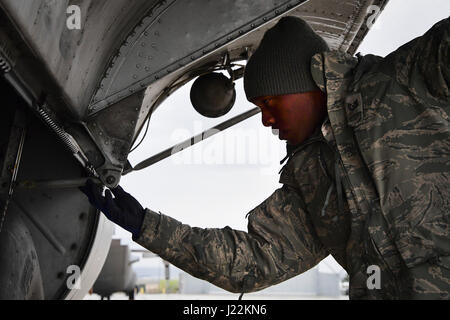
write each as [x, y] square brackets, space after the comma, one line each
[280, 243]
[422, 65]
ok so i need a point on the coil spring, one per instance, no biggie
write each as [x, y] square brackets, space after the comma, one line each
[60, 132]
[4, 65]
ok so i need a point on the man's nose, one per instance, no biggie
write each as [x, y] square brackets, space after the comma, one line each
[267, 119]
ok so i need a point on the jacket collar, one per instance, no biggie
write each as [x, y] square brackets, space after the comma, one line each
[331, 65]
[293, 149]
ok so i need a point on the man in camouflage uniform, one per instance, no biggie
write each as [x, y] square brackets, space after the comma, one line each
[370, 185]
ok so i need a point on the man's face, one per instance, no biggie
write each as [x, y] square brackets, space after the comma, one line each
[296, 116]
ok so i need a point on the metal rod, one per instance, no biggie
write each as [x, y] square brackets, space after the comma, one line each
[19, 122]
[192, 141]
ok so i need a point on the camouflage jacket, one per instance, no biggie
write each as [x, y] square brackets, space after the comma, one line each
[371, 187]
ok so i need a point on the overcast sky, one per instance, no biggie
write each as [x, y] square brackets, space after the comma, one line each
[217, 182]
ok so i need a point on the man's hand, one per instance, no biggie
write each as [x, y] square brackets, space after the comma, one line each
[123, 210]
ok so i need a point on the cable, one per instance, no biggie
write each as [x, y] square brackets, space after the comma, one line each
[145, 134]
[176, 85]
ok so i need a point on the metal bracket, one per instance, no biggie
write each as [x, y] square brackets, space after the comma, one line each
[11, 161]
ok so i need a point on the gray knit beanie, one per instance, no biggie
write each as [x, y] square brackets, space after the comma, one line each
[282, 62]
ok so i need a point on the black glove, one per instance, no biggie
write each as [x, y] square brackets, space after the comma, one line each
[123, 210]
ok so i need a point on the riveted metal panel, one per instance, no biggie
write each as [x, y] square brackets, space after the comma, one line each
[75, 58]
[113, 130]
[175, 33]
[339, 22]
